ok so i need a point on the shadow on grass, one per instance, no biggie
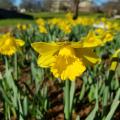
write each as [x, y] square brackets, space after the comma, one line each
[5, 14]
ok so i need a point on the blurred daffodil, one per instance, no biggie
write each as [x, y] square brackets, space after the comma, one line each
[22, 26]
[92, 40]
[114, 60]
[66, 60]
[41, 25]
[9, 45]
[40, 21]
[42, 29]
[65, 26]
[104, 35]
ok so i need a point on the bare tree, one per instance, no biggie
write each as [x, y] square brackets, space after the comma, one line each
[75, 8]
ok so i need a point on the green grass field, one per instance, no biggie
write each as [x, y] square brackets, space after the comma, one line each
[44, 15]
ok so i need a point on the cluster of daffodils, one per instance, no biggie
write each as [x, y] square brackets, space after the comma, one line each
[66, 60]
[66, 24]
[99, 34]
[9, 44]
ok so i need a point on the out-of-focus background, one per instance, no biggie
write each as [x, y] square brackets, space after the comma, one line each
[22, 11]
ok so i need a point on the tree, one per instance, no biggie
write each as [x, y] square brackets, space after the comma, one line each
[48, 4]
[75, 7]
[31, 5]
[6, 4]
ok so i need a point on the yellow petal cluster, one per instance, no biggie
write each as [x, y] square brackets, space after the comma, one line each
[66, 60]
[9, 45]
[104, 35]
[22, 26]
[41, 25]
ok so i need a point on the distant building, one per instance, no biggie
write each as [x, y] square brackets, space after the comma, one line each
[87, 6]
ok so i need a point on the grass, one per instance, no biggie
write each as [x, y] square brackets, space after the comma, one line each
[44, 15]
[13, 22]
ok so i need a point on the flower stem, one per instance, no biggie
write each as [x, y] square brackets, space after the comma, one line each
[67, 100]
[6, 63]
[15, 66]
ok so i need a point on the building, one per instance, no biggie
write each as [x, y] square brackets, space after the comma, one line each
[87, 6]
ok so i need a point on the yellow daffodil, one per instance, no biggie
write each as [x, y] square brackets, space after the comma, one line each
[92, 40]
[114, 62]
[22, 26]
[42, 29]
[41, 25]
[66, 60]
[104, 35]
[69, 15]
[108, 37]
[65, 27]
[40, 22]
[54, 21]
[85, 21]
[9, 45]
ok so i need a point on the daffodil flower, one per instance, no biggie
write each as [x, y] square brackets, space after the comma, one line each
[114, 62]
[9, 45]
[66, 60]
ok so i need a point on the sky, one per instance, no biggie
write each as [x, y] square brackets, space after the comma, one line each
[17, 2]
[97, 2]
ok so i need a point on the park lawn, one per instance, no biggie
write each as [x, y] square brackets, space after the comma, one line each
[45, 15]
[14, 22]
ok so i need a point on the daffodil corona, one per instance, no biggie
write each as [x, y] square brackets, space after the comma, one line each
[66, 60]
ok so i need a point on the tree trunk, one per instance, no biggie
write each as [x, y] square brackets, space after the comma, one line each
[75, 8]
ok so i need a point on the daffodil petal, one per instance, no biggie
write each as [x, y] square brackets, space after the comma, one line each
[92, 43]
[45, 60]
[88, 56]
[45, 48]
[19, 42]
[76, 44]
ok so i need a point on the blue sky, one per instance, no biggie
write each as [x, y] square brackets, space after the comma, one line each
[97, 2]
[17, 2]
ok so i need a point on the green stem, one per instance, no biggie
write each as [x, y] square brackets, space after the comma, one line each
[6, 63]
[15, 66]
[67, 100]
